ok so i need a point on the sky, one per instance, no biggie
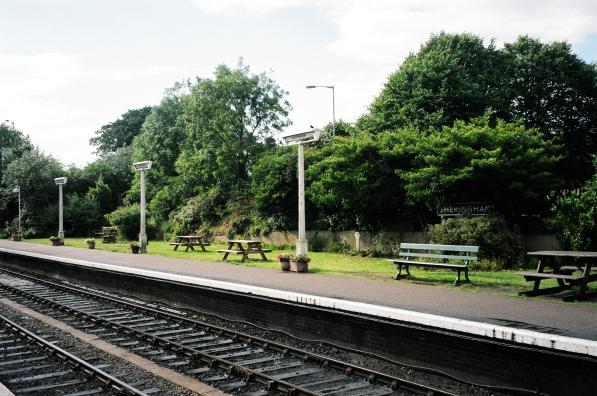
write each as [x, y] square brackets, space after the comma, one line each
[67, 67]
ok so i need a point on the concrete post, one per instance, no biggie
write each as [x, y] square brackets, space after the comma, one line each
[357, 239]
[301, 242]
[142, 234]
[60, 216]
[20, 233]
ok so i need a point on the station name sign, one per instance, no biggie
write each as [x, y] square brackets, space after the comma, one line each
[466, 209]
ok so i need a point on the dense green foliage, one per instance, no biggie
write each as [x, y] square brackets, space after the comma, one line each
[576, 218]
[121, 132]
[458, 121]
[506, 165]
[497, 239]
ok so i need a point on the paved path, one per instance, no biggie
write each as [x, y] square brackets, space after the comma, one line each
[554, 317]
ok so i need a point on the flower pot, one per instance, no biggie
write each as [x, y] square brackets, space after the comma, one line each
[55, 242]
[285, 265]
[135, 249]
[90, 245]
[299, 266]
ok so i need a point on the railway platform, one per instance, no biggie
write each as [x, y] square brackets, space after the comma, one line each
[551, 324]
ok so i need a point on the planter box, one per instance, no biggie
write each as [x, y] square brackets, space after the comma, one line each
[90, 245]
[135, 249]
[299, 266]
[284, 265]
[55, 243]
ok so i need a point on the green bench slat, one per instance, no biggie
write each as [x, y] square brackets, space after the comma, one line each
[437, 256]
[433, 247]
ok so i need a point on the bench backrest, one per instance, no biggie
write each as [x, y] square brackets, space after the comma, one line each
[438, 253]
[109, 231]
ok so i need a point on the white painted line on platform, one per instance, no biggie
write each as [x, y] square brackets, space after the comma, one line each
[521, 336]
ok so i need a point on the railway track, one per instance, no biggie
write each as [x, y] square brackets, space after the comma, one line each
[31, 365]
[231, 361]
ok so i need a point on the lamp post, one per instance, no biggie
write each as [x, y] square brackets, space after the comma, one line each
[17, 189]
[60, 181]
[333, 103]
[141, 167]
[300, 139]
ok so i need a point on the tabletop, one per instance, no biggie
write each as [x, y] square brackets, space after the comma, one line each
[242, 241]
[188, 236]
[563, 253]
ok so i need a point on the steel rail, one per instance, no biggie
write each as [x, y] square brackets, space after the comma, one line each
[372, 376]
[118, 385]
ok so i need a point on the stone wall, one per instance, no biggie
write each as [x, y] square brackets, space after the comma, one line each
[532, 242]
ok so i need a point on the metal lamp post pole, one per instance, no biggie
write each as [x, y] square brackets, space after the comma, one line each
[60, 181]
[301, 242]
[142, 234]
[17, 189]
[141, 167]
[60, 216]
[20, 233]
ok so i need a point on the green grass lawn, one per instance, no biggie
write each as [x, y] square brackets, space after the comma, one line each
[329, 264]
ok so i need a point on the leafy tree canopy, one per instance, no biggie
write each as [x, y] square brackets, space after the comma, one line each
[121, 132]
[553, 90]
[452, 77]
[506, 164]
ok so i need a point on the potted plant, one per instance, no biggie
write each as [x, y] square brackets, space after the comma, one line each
[284, 261]
[55, 240]
[90, 243]
[135, 247]
[299, 263]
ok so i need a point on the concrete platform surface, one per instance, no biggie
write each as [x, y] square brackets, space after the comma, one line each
[552, 318]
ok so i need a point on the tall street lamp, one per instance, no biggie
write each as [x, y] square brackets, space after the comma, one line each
[333, 103]
[60, 181]
[17, 189]
[141, 167]
[300, 139]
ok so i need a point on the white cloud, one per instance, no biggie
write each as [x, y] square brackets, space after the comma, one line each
[244, 8]
[37, 74]
[381, 31]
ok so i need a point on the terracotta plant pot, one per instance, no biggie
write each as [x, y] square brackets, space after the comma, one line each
[299, 266]
[285, 265]
[56, 242]
[135, 249]
[90, 245]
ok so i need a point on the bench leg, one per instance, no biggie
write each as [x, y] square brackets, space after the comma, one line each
[203, 248]
[399, 273]
[457, 281]
[175, 247]
[466, 275]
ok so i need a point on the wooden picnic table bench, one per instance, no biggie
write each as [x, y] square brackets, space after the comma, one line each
[456, 257]
[108, 234]
[189, 241]
[562, 272]
[251, 248]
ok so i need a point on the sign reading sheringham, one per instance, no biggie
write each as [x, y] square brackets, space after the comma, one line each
[466, 208]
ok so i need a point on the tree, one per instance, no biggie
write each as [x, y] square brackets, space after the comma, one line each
[13, 144]
[575, 219]
[34, 172]
[452, 77]
[229, 121]
[506, 164]
[274, 189]
[551, 89]
[160, 141]
[354, 182]
[116, 171]
[121, 132]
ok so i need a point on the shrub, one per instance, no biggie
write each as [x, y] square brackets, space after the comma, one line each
[382, 245]
[575, 219]
[497, 241]
[127, 220]
[338, 247]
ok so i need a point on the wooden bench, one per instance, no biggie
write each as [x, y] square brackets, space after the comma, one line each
[456, 257]
[189, 241]
[251, 248]
[108, 234]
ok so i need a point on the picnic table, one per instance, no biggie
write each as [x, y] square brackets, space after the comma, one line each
[563, 264]
[188, 241]
[252, 247]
